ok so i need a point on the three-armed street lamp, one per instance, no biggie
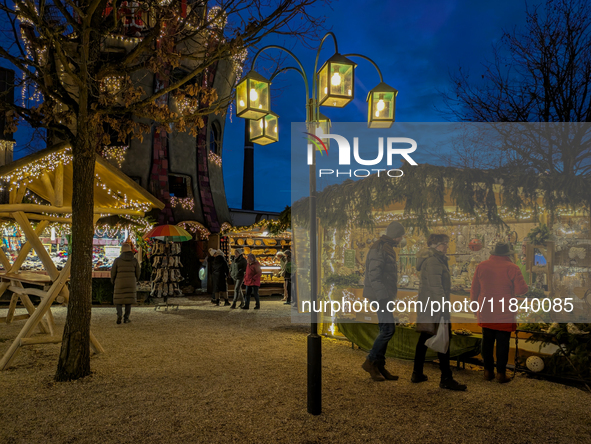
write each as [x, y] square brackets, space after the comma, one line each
[333, 85]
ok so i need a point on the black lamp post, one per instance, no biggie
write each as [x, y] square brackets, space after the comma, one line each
[332, 85]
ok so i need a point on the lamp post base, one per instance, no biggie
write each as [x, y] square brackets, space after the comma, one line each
[314, 374]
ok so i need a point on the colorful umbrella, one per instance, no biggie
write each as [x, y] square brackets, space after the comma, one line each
[170, 233]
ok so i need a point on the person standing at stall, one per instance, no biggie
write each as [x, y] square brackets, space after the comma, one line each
[219, 277]
[237, 271]
[281, 256]
[287, 276]
[435, 285]
[124, 275]
[252, 280]
[497, 279]
[381, 285]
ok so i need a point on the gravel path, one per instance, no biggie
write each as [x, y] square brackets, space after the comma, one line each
[208, 374]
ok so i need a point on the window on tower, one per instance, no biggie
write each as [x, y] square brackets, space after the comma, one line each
[177, 186]
[215, 141]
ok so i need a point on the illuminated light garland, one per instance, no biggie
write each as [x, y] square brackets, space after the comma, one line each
[123, 201]
[35, 169]
[26, 83]
[263, 223]
[115, 153]
[195, 227]
[125, 39]
[238, 60]
[225, 226]
[217, 17]
[6, 145]
[32, 196]
[187, 203]
[112, 84]
[213, 157]
[185, 105]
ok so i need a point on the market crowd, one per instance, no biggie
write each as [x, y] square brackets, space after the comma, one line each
[494, 279]
[245, 270]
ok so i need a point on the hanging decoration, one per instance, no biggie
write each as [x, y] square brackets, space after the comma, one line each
[186, 203]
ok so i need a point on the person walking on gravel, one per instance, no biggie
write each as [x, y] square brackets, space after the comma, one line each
[381, 285]
[435, 285]
[252, 280]
[237, 271]
[124, 275]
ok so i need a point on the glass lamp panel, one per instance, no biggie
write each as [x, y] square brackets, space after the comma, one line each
[258, 93]
[383, 106]
[341, 80]
[256, 129]
[271, 129]
[325, 124]
[241, 99]
[323, 83]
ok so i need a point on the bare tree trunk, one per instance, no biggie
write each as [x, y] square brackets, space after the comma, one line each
[74, 360]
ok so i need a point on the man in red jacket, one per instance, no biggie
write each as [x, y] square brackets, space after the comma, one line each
[498, 280]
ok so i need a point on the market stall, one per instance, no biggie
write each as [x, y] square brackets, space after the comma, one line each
[258, 240]
[45, 178]
[554, 245]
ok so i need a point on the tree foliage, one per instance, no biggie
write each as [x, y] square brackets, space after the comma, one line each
[539, 73]
[107, 70]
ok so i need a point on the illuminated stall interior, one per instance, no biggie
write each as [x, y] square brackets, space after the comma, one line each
[258, 240]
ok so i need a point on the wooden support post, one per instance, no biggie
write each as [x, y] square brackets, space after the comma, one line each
[16, 318]
[4, 260]
[58, 185]
[49, 188]
[22, 255]
[34, 240]
[50, 321]
[37, 316]
[29, 305]
[41, 340]
[11, 308]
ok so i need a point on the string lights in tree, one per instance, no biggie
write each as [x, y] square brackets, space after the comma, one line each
[115, 154]
[217, 17]
[213, 157]
[112, 84]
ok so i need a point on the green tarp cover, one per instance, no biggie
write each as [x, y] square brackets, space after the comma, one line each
[404, 342]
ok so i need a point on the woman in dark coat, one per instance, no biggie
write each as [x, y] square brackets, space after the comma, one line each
[219, 274]
[435, 285]
[124, 275]
[237, 271]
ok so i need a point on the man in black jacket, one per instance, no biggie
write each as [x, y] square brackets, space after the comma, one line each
[237, 270]
[381, 285]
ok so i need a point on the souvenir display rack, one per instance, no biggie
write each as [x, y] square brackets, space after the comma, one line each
[166, 270]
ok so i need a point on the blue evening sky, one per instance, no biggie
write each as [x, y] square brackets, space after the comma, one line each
[416, 44]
